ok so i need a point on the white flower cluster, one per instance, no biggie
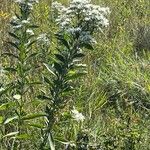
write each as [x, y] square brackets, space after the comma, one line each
[77, 116]
[43, 39]
[18, 23]
[81, 16]
[3, 79]
[28, 3]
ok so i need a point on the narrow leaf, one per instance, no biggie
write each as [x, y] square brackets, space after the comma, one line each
[51, 142]
[49, 68]
[10, 69]
[14, 35]
[10, 54]
[47, 80]
[58, 67]
[8, 120]
[42, 97]
[36, 125]
[79, 55]
[23, 136]
[3, 106]
[60, 57]
[1, 119]
[11, 134]
[14, 45]
[76, 75]
[31, 43]
[33, 116]
[33, 26]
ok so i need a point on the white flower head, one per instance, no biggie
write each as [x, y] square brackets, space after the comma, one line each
[30, 32]
[77, 116]
[1, 89]
[43, 39]
[25, 1]
[93, 18]
[17, 97]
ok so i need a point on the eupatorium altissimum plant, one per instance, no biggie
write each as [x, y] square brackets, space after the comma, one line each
[76, 26]
[22, 35]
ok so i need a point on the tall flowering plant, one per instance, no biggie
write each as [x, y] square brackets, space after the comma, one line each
[76, 25]
[22, 35]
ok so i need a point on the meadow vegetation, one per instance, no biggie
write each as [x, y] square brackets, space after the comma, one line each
[74, 75]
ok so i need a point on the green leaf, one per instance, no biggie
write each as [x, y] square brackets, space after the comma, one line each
[14, 36]
[36, 125]
[47, 80]
[62, 40]
[33, 26]
[78, 55]
[50, 69]
[14, 45]
[61, 140]
[33, 116]
[11, 134]
[3, 106]
[10, 54]
[17, 16]
[31, 43]
[80, 65]
[74, 75]
[1, 119]
[31, 56]
[8, 120]
[88, 46]
[23, 136]
[51, 142]
[60, 58]
[42, 97]
[58, 67]
[10, 69]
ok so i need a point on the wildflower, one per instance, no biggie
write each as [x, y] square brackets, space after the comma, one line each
[25, 21]
[25, 1]
[1, 89]
[77, 116]
[81, 17]
[43, 39]
[17, 97]
[30, 32]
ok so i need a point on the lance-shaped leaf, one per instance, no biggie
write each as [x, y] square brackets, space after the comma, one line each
[43, 97]
[33, 26]
[87, 45]
[36, 125]
[60, 57]
[10, 54]
[23, 136]
[78, 55]
[73, 74]
[11, 134]
[62, 40]
[58, 67]
[31, 56]
[33, 116]
[14, 45]
[10, 69]
[8, 120]
[14, 35]
[47, 80]
[50, 69]
[31, 43]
